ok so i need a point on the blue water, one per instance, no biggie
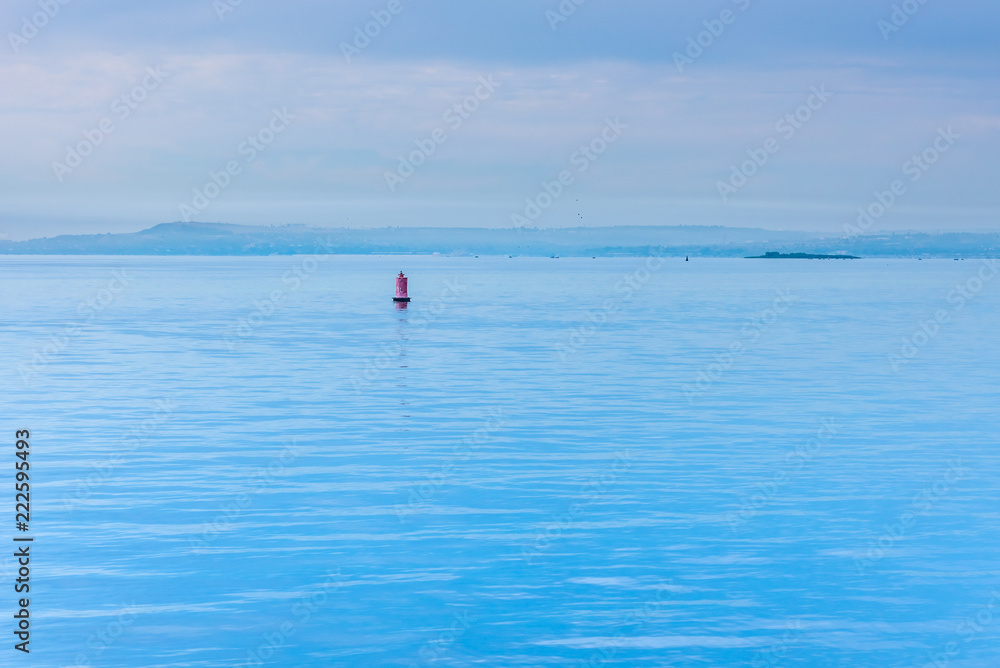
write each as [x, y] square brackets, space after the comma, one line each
[540, 462]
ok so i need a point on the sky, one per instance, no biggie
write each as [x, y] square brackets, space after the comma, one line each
[780, 114]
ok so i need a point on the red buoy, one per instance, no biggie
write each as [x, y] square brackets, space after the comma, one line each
[401, 295]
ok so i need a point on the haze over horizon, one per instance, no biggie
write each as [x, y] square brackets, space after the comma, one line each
[330, 124]
[225, 239]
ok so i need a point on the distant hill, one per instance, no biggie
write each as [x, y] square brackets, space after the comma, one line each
[225, 239]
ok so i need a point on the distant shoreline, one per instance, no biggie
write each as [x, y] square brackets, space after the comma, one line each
[801, 256]
[225, 240]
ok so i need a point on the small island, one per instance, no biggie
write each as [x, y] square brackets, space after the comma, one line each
[801, 256]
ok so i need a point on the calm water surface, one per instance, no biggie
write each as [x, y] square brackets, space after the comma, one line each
[541, 462]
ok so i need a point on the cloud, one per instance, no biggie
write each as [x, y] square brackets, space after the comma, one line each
[354, 120]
